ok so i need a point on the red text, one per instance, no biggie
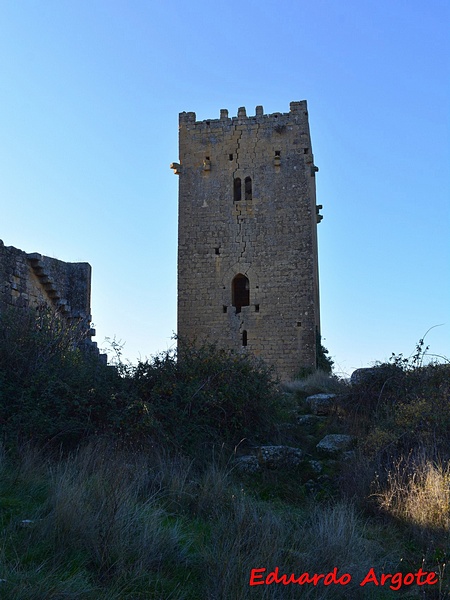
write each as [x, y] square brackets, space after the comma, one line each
[257, 578]
[397, 580]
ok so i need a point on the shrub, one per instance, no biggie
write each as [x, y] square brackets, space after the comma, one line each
[204, 394]
[323, 361]
[399, 406]
[50, 387]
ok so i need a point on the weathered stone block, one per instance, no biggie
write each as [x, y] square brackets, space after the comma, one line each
[321, 404]
[275, 457]
[334, 444]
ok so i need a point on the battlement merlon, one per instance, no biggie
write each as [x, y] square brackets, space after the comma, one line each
[198, 140]
[297, 109]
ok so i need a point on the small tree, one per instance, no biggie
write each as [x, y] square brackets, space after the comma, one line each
[323, 361]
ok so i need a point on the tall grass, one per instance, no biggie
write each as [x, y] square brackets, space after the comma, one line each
[417, 492]
[97, 505]
[106, 523]
[249, 536]
[102, 525]
[318, 382]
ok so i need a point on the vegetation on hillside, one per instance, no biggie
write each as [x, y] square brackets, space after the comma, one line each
[52, 391]
[121, 482]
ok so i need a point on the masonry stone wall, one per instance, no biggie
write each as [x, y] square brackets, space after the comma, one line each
[33, 280]
[247, 249]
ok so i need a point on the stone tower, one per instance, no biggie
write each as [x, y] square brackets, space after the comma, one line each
[247, 235]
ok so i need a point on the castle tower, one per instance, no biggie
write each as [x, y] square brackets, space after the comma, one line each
[247, 235]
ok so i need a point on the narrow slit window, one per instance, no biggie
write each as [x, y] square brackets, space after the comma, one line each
[277, 153]
[217, 250]
[256, 307]
[224, 308]
[237, 189]
[248, 188]
[230, 156]
[244, 338]
[240, 292]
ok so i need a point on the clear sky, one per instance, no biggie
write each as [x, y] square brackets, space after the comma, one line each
[90, 93]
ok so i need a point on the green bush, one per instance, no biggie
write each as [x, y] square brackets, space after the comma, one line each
[203, 394]
[323, 361]
[51, 386]
[397, 407]
[53, 389]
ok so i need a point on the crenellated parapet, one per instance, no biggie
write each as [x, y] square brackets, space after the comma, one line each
[298, 111]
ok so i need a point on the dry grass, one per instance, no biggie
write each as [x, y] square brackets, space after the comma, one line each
[318, 382]
[418, 494]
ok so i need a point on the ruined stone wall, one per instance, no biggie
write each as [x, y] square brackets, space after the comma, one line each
[32, 280]
[247, 251]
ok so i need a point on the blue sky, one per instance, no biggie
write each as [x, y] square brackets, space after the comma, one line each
[89, 99]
